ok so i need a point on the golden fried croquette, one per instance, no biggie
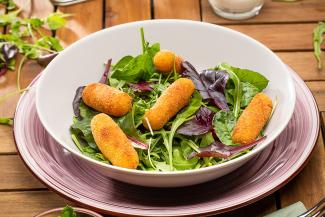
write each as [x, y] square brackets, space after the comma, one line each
[113, 143]
[164, 61]
[106, 99]
[171, 101]
[253, 119]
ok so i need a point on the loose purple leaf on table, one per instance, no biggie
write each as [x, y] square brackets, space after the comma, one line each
[210, 83]
[199, 125]
[106, 72]
[77, 100]
[220, 150]
[8, 52]
[142, 86]
[137, 144]
[44, 60]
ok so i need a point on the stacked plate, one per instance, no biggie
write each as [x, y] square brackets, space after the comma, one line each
[75, 180]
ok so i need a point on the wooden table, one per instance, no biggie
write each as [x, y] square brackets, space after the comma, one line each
[286, 28]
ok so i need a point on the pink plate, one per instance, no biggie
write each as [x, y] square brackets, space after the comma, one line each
[75, 180]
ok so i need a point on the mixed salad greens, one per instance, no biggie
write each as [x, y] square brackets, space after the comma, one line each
[198, 136]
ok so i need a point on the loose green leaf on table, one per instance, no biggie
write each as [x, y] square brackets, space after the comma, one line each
[6, 121]
[68, 211]
[318, 39]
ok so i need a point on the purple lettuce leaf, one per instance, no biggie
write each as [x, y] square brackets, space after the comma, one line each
[137, 143]
[210, 83]
[142, 86]
[199, 125]
[106, 72]
[77, 100]
[220, 150]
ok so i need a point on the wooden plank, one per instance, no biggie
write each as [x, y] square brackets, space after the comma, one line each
[323, 123]
[304, 63]
[87, 18]
[29, 203]
[281, 37]
[180, 9]
[258, 209]
[14, 175]
[318, 89]
[274, 12]
[7, 143]
[37, 8]
[308, 186]
[123, 11]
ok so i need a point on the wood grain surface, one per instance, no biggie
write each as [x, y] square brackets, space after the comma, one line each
[275, 12]
[123, 11]
[286, 28]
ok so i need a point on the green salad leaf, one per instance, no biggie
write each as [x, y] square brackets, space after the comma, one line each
[185, 115]
[248, 92]
[82, 127]
[248, 76]
[141, 67]
[224, 123]
[180, 157]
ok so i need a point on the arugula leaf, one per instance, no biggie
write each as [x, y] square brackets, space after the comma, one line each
[318, 40]
[246, 75]
[224, 123]
[190, 110]
[237, 93]
[68, 212]
[56, 20]
[50, 42]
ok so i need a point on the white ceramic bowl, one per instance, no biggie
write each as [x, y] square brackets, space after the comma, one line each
[204, 45]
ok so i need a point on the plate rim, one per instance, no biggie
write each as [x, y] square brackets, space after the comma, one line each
[222, 210]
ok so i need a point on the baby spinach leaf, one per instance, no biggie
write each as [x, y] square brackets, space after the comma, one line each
[126, 123]
[138, 68]
[180, 162]
[246, 75]
[318, 40]
[83, 127]
[248, 92]
[224, 123]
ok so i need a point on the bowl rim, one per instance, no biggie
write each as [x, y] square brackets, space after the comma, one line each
[255, 150]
